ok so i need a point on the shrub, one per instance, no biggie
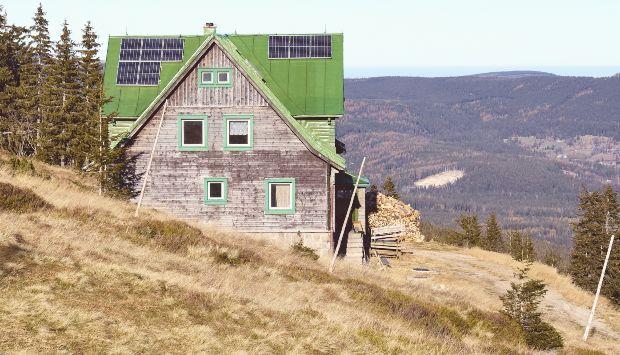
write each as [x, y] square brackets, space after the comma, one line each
[20, 200]
[173, 236]
[306, 252]
[521, 304]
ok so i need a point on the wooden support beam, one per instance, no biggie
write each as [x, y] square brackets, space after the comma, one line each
[148, 166]
[346, 217]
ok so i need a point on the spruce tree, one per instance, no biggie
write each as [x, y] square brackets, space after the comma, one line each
[36, 73]
[61, 129]
[472, 231]
[589, 242]
[521, 303]
[93, 135]
[389, 189]
[515, 245]
[611, 209]
[493, 237]
[12, 46]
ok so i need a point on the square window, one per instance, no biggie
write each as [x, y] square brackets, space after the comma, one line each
[193, 133]
[223, 77]
[207, 77]
[216, 191]
[280, 196]
[238, 134]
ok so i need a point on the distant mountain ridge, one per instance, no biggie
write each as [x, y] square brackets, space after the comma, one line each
[413, 127]
[514, 74]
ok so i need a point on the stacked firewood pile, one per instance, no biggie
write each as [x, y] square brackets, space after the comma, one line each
[385, 241]
[393, 212]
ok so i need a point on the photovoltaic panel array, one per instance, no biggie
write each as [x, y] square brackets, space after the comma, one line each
[300, 46]
[140, 59]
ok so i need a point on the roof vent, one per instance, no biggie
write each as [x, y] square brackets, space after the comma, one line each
[209, 28]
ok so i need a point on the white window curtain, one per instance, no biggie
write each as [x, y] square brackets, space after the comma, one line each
[238, 128]
[281, 195]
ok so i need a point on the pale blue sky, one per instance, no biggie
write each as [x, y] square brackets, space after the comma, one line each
[438, 37]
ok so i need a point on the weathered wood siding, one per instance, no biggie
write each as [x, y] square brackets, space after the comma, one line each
[176, 180]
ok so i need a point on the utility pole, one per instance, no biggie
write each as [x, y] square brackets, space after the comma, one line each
[600, 281]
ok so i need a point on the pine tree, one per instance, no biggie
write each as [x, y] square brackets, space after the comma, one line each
[12, 47]
[94, 138]
[611, 209]
[36, 73]
[61, 129]
[389, 189]
[589, 236]
[472, 231]
[515, 245]
[493, 237]
[528, 253]
[521, 303]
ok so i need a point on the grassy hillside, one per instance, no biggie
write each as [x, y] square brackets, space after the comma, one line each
[412, 128]
[79, 273]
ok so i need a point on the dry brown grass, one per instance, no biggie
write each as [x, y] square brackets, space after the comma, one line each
[478, 277]
[86, 276]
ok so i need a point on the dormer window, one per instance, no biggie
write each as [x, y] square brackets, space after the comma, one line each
[214, 77]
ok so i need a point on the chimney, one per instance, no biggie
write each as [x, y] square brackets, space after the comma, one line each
[209, 28]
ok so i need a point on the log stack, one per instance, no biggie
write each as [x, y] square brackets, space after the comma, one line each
[386, 241]
[393, 212]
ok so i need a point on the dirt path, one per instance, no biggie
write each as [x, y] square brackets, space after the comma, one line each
[481, 282]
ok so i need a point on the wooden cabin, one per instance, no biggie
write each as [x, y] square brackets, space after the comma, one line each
[239, 129]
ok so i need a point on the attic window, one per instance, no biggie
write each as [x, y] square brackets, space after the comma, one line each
[280, 196]
[192, 132]
[207, 77]
[300, 46]
[238, 132]
[140, 59]
[214, 77]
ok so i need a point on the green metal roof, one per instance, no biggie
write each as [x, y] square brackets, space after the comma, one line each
[307, 87]
[325, 151]
[132, 100]
[311, 87]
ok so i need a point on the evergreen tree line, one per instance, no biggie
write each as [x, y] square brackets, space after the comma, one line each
[51, 95]
[599, 219]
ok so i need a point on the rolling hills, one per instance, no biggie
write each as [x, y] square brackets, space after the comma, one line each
[80, 273]
[526, 143]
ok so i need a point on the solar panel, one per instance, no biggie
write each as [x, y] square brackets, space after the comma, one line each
[140, 59]
[300, 46]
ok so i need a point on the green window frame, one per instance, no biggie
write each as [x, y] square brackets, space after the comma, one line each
[224, 190]
[180, 132]
[237, 118]
[293, 196]
[216, 78]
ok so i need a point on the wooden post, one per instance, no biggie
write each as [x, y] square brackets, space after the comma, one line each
[598, 290]
[346, 218]
[148, 166]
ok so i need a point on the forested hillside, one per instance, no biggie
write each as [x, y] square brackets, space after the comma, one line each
[411, 128]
